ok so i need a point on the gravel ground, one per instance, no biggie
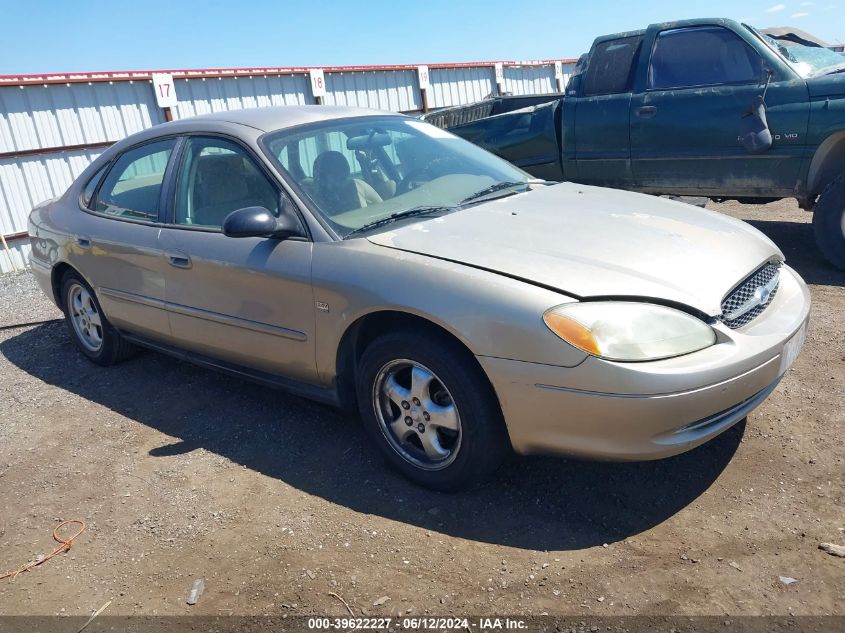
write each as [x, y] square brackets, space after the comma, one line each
[24, 301]
[278, 502]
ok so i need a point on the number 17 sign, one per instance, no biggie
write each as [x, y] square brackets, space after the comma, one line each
[165, 90]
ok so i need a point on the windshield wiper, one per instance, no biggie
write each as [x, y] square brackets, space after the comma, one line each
[400, 215]
[506, 185]
[493, 189]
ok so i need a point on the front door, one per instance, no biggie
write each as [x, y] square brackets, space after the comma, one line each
[247, 301]
[687, 120]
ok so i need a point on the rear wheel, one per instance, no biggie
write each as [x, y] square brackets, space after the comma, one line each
[90, 330]
[829, 222]
[431, 410]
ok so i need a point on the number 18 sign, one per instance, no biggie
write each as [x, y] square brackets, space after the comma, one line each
[165, 90]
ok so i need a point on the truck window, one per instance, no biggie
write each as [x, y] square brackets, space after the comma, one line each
[609, 66]
[702, 56]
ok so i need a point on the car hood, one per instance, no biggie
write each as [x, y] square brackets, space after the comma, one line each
[594, 242]
[827, 85]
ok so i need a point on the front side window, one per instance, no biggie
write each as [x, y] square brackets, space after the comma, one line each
[217, 177]
[357, 171]
[132, 188]
[609, 69]
[703, 56]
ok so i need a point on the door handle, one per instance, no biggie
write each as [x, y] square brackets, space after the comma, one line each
[83, 242]
[646, 112]
[178, 259]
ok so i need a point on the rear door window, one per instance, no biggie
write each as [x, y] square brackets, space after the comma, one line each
[702, 56]
[609, 69]
[132, 188]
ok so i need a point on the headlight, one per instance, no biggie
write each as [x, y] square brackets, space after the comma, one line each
[628, 331]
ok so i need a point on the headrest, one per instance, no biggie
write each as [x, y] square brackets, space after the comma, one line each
[222, 178]
[331, 166]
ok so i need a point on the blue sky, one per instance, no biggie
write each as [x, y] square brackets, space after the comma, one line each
[78, 35]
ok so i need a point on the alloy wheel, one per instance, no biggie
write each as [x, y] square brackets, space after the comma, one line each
[85, 317]
[417, 414]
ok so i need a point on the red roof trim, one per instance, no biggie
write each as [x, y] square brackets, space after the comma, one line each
[145, 75]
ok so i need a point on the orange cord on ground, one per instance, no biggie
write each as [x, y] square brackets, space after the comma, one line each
[65, 546]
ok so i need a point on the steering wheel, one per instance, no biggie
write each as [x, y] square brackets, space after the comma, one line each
[414, 180]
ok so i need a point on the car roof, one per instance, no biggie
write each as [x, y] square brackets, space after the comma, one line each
[249, 123]
[280, 117]
[663, 26]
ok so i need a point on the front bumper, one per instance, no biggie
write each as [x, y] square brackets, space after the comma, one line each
[636, 411]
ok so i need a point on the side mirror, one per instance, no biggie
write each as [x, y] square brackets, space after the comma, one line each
[259, 222]
[754, 133]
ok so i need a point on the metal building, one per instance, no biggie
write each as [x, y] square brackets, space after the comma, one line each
[53, 126]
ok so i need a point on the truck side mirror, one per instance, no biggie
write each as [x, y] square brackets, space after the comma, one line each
[754, 133]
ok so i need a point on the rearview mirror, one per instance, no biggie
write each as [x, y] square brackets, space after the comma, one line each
[368, 141]
[259, 222]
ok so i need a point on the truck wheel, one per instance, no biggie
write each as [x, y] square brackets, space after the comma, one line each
[829, 222]
[429, 408]
[90, 330]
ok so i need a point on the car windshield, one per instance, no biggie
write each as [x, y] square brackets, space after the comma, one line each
[369, 171]
[807, 61]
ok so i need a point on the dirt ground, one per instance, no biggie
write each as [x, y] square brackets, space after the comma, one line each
[275, 501]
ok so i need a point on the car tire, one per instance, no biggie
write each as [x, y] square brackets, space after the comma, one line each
[90, 330]
[829, 222]
[442, 426]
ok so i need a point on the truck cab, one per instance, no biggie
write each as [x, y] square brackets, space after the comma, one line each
[706, 107]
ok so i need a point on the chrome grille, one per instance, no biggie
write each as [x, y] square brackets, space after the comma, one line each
[745, 302]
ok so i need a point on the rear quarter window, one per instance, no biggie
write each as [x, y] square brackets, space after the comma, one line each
[91, 186]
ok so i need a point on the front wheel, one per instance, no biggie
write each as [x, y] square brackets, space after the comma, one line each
[430, 409]
[829, 222]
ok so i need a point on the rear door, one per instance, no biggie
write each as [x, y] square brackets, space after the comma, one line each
[602, 143]
[117, 246]
[247, 301]
[686, 118]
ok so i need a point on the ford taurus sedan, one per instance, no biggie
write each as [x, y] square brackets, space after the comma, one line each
[373, 261]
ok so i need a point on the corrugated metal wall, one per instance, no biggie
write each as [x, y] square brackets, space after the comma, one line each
[56, 115]
[530, 80]
[205, 95]
[396, 90]
[457, 86]
[49, 123]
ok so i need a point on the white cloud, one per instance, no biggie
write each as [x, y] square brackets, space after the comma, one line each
[802, 14]
[830, 7]
[776, 8]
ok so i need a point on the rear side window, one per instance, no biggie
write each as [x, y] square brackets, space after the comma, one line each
[91, 187]
[132, 188]
[703, 56]
[609, 69]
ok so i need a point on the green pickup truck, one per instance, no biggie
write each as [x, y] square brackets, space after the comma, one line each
[705, 107]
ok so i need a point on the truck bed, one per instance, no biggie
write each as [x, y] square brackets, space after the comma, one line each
[523, 130]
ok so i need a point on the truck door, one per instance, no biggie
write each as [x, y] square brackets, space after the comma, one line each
[602, 148]
[686, 117]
